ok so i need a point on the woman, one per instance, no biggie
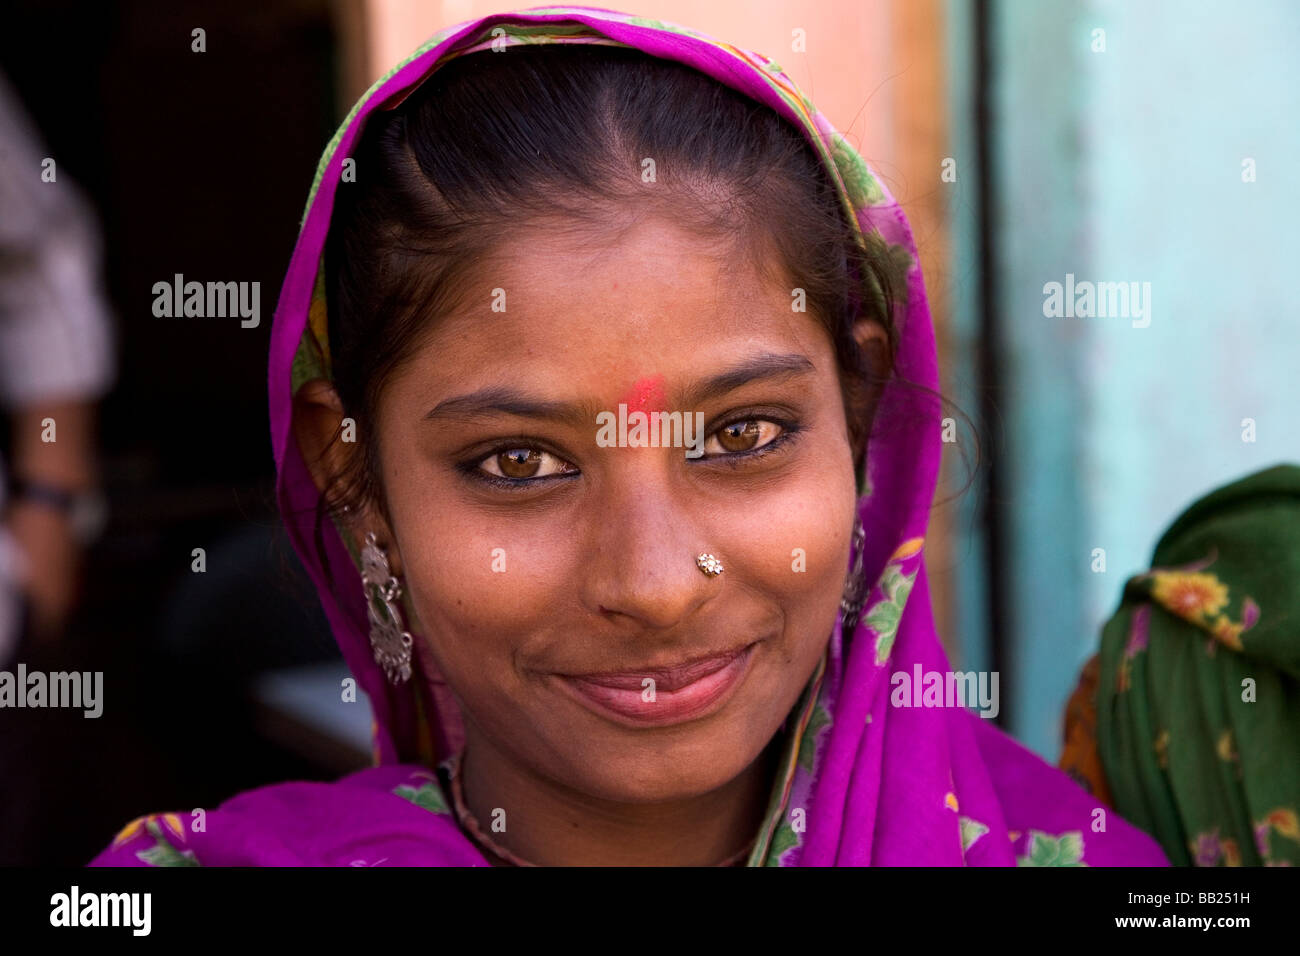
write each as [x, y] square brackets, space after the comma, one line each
[585, 645]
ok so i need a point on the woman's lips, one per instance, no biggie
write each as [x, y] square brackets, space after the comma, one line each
[681, 693]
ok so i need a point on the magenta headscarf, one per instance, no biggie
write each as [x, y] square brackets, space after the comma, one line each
[864, 781]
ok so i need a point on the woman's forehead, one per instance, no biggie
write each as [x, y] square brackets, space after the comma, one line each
[572, 369]
[640, 328]
[650, 266]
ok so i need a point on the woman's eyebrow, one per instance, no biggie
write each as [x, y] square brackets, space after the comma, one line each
[764, 366]
[502, 399]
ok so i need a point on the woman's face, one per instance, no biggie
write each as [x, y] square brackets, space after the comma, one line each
[533, 553]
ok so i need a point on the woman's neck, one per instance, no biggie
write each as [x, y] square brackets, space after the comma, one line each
[552, 825]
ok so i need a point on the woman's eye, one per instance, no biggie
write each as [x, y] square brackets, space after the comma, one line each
[742, 436]
[519, 464]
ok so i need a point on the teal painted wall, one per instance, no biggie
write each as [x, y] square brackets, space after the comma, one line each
[1126, 165]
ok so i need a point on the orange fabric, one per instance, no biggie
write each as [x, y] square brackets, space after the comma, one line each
[1080, 758]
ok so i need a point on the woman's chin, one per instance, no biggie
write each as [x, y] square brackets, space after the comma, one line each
[668, 782]
[682, 767]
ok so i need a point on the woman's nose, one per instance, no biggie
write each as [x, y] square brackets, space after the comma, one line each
[643, 566]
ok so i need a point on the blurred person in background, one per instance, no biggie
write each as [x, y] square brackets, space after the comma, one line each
[56, 361]
[1187, 720]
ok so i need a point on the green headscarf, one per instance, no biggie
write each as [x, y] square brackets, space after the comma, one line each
[1198, 706]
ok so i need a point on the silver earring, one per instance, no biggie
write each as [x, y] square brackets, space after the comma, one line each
[388, 638]
[855, 587]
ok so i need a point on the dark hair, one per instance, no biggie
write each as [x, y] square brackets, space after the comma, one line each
[555, 135]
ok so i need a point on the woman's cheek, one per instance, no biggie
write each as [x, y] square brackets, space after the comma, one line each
[485, 595]
[801, 547]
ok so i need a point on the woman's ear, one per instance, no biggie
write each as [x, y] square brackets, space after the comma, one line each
[874, 342]
[317, 428]
[873, 339]
[326, 441]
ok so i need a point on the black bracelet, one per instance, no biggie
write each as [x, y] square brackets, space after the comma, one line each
[86, 511]
[59, 498]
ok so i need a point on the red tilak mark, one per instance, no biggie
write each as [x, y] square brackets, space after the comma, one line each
[646, 395]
